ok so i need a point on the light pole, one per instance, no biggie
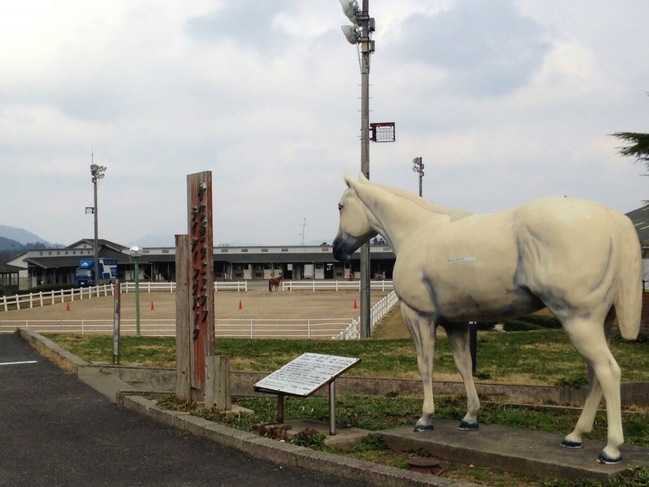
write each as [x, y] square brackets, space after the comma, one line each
[418, 167]
[361, 33]
[136, 252]
[97, 173]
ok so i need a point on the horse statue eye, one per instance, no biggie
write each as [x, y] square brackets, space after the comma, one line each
[340, 206]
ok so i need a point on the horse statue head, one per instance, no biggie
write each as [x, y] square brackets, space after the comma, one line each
[355, 226]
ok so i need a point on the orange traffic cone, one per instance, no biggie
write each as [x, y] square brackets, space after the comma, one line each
[355, 305]
[152, 307]
[67, 307]
[240, 305]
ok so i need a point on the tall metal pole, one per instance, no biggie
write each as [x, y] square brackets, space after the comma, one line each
[361, 33]
[418, 167]
[96, 242]
[136, 252]
[366, 50]
[97, 172]
[137, 296]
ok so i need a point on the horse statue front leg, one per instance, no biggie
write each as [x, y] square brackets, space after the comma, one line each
[458, 335]
[422, 330]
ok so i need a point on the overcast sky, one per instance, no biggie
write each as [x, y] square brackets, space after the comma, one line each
[505, 101]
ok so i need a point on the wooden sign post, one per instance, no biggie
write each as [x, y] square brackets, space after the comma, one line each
[183, 334]
[195, 299]
[201, 275]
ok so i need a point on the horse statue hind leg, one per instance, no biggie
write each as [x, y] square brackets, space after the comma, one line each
[586, 306]
[604, 377]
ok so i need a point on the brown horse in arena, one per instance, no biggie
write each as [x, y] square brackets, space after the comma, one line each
[274, 282]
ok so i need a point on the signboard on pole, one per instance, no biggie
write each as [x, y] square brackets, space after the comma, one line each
[201, 273]
[306, 374]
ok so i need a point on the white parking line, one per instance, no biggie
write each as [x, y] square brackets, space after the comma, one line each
[20, 363]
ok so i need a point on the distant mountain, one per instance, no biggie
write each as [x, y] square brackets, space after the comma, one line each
[10, 245]
[20, 235]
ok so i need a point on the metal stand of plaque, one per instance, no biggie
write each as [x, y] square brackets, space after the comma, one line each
[304, 376]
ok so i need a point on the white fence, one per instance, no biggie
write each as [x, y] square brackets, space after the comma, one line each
[327, 285]
[231, 328]
[335, 328]
[31, 300]
[378, 311]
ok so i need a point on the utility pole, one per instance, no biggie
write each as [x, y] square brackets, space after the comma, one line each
[97, 173]
[361, 33]
[303, 230]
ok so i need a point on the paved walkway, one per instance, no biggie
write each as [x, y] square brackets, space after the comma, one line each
[57, 431]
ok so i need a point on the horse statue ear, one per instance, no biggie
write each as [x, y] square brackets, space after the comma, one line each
[362, 178]
[348, 180]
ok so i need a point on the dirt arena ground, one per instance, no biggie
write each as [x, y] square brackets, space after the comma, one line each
[257, 302]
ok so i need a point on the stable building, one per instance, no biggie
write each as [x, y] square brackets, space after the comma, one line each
[39, 267]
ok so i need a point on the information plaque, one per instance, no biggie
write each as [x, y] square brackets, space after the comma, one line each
[306, 374]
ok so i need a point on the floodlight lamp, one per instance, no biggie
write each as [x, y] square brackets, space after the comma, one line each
[351, 33]
[350, 9]
[97, 171]
[135, 251]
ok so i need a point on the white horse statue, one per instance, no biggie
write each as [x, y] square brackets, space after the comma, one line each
[579, 259]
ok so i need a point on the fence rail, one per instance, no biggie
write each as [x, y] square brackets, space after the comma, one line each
[378, 311]
[322, 328]
[327, 285]
[31, 300]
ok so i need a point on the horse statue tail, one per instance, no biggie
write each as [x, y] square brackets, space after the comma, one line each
[270, 285]
[628, 296]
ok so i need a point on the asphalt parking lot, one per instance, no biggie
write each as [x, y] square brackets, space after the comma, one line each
[57, 431]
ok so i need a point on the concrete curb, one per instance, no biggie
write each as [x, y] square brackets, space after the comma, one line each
[279, 452]
[285, 453]
[46, 347]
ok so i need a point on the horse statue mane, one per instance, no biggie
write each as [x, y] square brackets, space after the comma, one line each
[452, 213]
[579, 259]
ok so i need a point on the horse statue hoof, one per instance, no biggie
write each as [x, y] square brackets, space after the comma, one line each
[604, 458]
[572, 444]
[421, 428]
[466, 426]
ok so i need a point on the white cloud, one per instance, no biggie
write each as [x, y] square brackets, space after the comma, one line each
[504, 100]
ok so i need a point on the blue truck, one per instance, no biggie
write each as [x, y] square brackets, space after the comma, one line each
[84, 274]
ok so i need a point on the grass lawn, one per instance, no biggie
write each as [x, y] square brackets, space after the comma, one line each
[542, 357]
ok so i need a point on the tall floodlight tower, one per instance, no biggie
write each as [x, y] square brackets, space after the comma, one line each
[97, 173]
[418, 167]
[361, 33]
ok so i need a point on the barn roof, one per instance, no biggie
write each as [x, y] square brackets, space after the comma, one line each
[640, 219]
